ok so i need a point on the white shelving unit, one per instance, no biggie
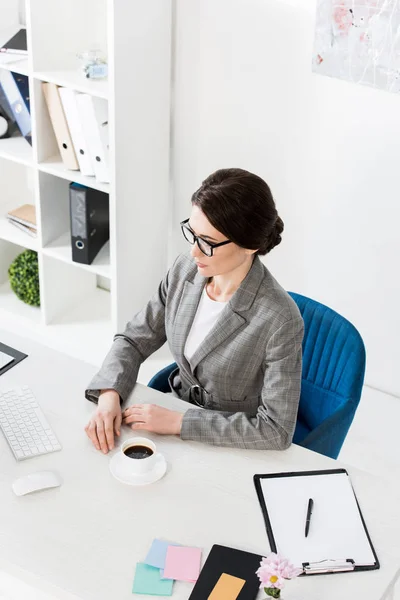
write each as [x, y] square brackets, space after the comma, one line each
[82, 306]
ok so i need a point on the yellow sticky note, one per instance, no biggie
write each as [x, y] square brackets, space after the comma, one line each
[227, 588]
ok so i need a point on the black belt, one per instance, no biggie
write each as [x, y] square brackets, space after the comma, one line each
[196, 394]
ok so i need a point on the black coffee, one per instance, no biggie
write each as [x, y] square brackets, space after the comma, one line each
[138, 451]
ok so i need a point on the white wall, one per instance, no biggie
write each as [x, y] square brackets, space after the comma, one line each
[10, 12]
[245, 96]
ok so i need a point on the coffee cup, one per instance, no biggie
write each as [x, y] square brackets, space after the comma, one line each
[138, 455]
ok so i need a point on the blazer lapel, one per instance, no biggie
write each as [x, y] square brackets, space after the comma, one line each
[226, 325]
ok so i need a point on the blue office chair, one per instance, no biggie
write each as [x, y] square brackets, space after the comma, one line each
[332, 378]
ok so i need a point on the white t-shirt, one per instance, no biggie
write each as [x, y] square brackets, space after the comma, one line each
[206, 316]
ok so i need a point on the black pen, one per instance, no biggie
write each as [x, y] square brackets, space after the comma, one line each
[309, 513]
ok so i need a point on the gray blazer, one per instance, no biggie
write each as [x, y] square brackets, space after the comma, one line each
[246, 374]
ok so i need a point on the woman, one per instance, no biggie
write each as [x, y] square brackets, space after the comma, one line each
[234, 332]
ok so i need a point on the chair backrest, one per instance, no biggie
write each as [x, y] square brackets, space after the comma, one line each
[333, 373]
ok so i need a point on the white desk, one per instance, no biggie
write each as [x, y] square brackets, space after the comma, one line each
[83, 540]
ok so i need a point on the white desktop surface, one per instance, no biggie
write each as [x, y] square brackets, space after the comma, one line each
[83, 539]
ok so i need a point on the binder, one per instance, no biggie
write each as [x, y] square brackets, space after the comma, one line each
[93, 114]
[235, 566]
[89, 213]
[8, 115]
[68, 99]
[5, 106]
[15, 94]
[338, 538]
[10, 127]
[60, 126]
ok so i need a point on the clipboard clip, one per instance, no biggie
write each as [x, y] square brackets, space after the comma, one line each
[329, 566]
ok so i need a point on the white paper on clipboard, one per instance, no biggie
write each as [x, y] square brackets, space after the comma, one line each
[336, 529]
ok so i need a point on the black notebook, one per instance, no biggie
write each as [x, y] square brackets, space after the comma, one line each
[228, 574]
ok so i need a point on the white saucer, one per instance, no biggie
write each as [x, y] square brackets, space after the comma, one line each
[152, 476]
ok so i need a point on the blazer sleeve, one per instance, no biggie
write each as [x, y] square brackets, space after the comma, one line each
[273, 426]
[142, 336]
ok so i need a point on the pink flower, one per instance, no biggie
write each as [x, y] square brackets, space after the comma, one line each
[274, 570]
[290, 571]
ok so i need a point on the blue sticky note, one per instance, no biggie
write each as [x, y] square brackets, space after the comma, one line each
[148, 581]
[157, 553]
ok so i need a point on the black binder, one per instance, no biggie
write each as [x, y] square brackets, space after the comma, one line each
[338, 539]
[89, 215]
[231, 561]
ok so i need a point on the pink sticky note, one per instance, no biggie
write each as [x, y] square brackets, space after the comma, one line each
[182, 563]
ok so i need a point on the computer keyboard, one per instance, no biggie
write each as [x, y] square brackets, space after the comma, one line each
[24, 425]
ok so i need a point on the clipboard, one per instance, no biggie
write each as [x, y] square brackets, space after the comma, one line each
[338, 539]
[15, 354]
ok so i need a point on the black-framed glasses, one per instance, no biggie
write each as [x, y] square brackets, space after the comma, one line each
[207, 248]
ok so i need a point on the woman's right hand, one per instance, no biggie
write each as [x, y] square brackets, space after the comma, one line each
[106, 421]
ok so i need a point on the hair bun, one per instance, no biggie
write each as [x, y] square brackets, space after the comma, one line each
[274, 237]
[279, 226]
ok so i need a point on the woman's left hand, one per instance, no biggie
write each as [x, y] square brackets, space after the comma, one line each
[153, 418]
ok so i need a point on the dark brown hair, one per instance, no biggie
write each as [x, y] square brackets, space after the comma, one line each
[240, 205]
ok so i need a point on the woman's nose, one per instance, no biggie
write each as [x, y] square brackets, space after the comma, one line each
[195, 250]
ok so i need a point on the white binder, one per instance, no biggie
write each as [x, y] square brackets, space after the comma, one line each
[93, 113]
[338, 538]
[68, 99]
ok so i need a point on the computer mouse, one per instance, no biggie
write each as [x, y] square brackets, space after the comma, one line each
[34, 482]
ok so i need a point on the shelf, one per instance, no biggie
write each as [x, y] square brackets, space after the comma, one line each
[75, 80]
[55, 166]
[61, 249]
[11, 305]
[17, 149]
[16, 66]
[77, 316]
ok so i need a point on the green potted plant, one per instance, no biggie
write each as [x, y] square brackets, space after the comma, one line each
[24, 277]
